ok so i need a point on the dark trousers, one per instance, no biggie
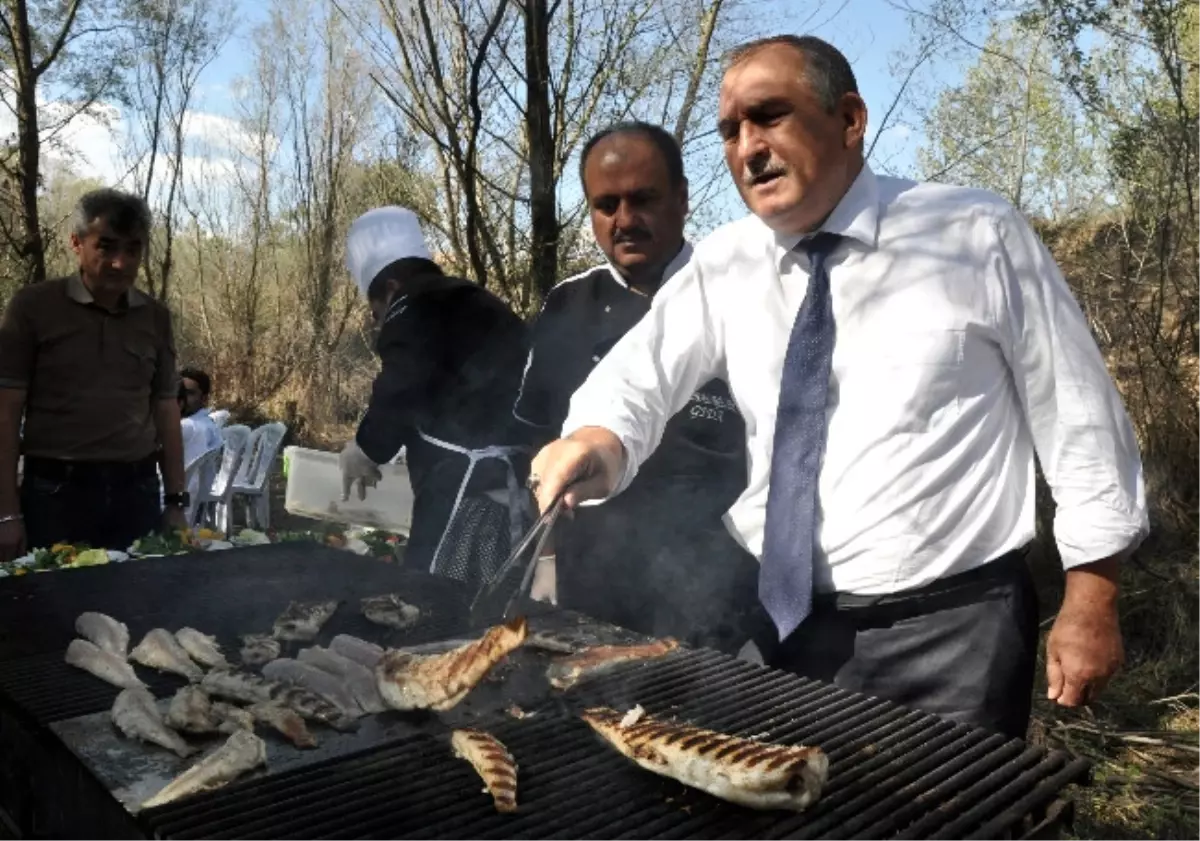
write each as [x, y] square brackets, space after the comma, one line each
[963, 648]
[107, 506]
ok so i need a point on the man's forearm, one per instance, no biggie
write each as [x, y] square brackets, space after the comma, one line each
[12, 404]
[170, 436]
[1093, 586]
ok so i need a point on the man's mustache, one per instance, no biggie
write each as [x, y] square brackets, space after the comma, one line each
[631, 235]
[770, 170]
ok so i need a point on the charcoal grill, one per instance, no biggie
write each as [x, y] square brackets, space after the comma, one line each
[893, 772]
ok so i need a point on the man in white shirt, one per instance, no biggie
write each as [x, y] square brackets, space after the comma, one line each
[900, 352]
[200, 433]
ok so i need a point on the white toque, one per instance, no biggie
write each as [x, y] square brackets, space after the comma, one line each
[380, 237]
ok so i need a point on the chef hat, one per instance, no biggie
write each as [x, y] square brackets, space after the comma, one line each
[380, 237]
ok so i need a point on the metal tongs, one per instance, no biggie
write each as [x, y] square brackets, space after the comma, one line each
[536, 537]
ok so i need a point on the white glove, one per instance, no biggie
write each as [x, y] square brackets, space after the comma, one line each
[356, 467]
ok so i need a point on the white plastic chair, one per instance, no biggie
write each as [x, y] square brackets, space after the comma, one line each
[200, 474]
[215, 499]
[220, 417]
[254, 474]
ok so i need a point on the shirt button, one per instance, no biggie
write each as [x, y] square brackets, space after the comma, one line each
[595, 358]
[608, 309]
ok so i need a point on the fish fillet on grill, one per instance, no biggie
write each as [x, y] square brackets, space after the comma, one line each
[302, 621]
[330, 688]
[252, 689]
[360, 651]
[105, 632]
[600, 659]
[416, 682]
[754, 774]
[192, 711]
[390, 611]
[103, 664]
[242, 752]
[285, 721]
[202, 648]
[492, 762]
[136, 715]
[357, 678]
[159, 650]
[258, 649]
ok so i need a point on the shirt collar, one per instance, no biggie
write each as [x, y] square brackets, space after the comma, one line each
[77, 291]
[677, 262]
[856, 217]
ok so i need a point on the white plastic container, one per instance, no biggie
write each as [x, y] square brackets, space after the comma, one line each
[314, 489]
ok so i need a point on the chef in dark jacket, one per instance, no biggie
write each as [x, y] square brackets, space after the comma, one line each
[452, 355]
[656, 559]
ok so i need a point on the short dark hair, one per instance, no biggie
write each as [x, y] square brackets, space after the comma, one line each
[202, 379]
[125, 212]
[662, 139]
[826, 69]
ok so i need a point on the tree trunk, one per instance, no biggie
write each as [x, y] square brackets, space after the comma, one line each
[543, 201]
[28, 144]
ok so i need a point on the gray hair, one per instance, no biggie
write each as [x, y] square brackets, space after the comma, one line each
[825, 68]
[125, 212]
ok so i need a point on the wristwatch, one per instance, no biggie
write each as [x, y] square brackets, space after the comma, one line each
[179, 500]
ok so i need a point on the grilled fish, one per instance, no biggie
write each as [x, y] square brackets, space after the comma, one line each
[136, 715]
[303, 620]
[103, 664]
[242, 752]
[388, 610]
[286, 721]
[252, 689]
[492, 762]
[357, 678]
[192, 711]
[232, 718]
[414, 682]
[159, 650]
[330, 688]
[105, 632]
[754, 774]
[202, 648]
[600, 659]
[258, 649]
[360, 651]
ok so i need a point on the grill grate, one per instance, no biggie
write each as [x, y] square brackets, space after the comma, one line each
[893, 772]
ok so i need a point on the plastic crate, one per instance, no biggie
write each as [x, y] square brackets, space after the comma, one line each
[314, 490]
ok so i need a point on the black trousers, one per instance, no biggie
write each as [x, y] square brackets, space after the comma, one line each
[107, 506]
[964, 648]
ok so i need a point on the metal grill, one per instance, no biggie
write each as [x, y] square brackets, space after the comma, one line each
[893, 773]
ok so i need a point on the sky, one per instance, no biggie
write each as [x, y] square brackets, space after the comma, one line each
[868, 31]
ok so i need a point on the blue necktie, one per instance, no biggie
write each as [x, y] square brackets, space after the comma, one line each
[785, 577]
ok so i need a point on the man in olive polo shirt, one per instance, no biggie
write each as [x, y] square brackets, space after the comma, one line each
[90, 361]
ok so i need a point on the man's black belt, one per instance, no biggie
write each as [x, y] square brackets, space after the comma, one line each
[64, 470]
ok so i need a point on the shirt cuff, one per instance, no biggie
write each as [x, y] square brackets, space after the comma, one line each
[1098, 535]
[630, 466]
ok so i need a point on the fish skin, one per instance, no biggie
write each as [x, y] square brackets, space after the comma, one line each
[285, 721]
[302, 621]
[258, 649]
[102, 664]
[202, 648]
[390, 611]
[492, 762]
[105, 632]
[248, 688]
[159, 650]
[135, 714]
[242, 752]
[361, 651]
[332, 689]
[410, 681]
[191, 711]
[357, 678]
[232, 719]
[601, 659]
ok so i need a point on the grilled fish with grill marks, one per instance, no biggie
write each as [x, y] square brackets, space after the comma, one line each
[105, 632]
[103, 664]
[330, 688]
[302, 621]
[242, 752]
[159, 650]
[600, 659]
[202, 648]
[415, 682]
[492, 762]
[390, 611]
[136, 715]
[192, 711]
[258, 649]
[252, 689]
[754, 774]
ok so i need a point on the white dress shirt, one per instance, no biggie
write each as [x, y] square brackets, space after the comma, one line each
[960, 351]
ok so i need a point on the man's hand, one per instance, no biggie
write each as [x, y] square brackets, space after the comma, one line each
[12, 540]
[1084, 649]
[174, 518]
[589, 463]
[357, 468]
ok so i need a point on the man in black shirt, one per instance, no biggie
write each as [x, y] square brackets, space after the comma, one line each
[656, 559]
[452, 356]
